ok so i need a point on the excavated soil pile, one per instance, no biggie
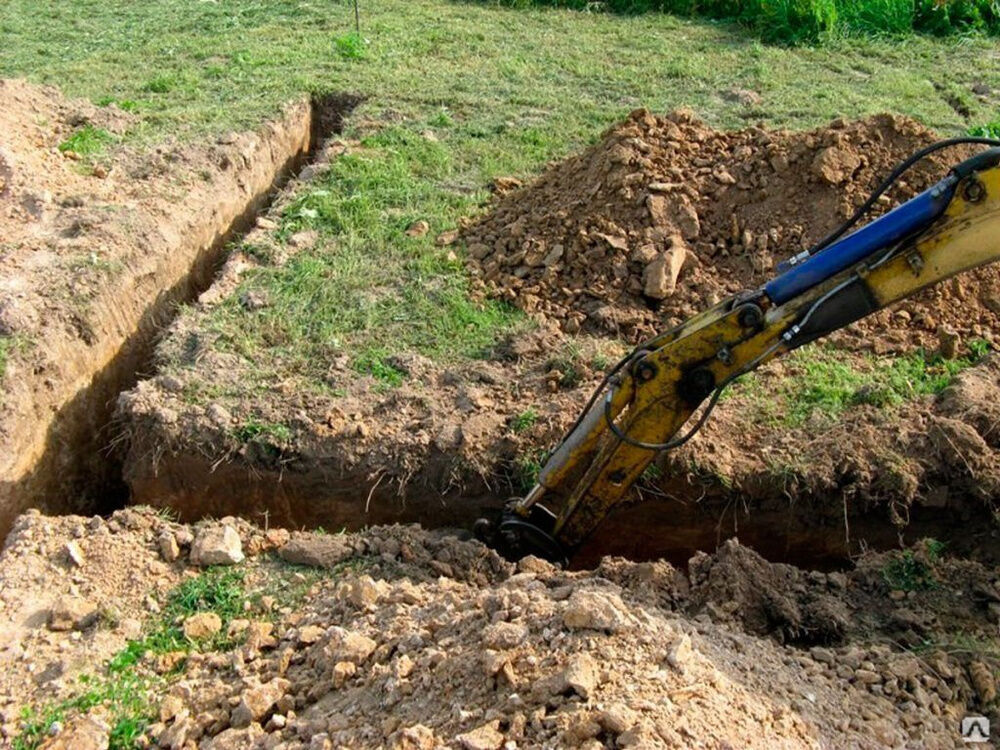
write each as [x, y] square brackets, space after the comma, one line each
[410, 639]
[665, 216]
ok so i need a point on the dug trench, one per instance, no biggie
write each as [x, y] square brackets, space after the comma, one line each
[661, 217]
[98, 253]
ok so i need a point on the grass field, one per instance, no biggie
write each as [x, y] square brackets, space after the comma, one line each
[462, 93]
[796, 21]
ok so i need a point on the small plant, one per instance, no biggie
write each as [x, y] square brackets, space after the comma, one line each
[913, 570]
[350, 46]
[567, 365]
[524, 421]
[255, 431]
[87, 141]
[990, 130]
[160, 84]
[380, 368]
[10, 346]
[526, 468]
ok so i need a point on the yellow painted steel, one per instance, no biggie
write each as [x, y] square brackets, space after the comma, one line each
[593, 470]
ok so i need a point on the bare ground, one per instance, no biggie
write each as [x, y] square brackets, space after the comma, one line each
[407, 638]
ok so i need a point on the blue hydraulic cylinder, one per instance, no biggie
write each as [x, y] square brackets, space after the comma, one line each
[913, 216]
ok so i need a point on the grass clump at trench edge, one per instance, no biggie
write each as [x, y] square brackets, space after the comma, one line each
[826, 382]
[797, 21]
[87, 141]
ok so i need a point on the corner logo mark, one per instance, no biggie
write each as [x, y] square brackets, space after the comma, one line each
[975, 729]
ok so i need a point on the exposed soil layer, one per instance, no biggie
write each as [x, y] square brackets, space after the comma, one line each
[665, 216]
[97, 252]
[404, 638]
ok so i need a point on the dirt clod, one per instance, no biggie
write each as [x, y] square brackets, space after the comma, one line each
[217, 545]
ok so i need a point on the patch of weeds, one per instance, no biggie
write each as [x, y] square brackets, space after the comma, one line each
[380, 367]
[913, 570]
[218, 589]
[526, 469]
[11, 346]
[160, 84]
[255, 431]
[524, 421]
[122, 688]
[94, 263]
[127, 105]
[350, 46]
[125, 695]
[989, 130]
[87, 141]
[567, 364]
[828, 383]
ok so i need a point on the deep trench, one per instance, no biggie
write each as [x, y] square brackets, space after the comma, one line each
[670, 530]
[80, 441]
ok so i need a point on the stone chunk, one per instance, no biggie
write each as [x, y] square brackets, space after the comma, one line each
[72, 613]
[169, 549]
[596, 610]
[417, 737]
[316, 550]
[680, 652]
[81, 733]
[346, 645]
[217, 545]
[256, 702]
[581, 675]
[74, 554]
[202, 625]
[835, 165]
[342, 672]
[362, 591]
[486, 737]
[504, 635]
[659, 279]
[310, 634]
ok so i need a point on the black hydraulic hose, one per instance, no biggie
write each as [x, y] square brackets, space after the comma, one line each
[889, 181]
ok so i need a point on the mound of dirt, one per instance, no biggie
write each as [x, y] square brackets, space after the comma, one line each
[665, 216]
[404, 638]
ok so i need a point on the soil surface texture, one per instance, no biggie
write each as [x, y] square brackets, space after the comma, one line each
[402, 638]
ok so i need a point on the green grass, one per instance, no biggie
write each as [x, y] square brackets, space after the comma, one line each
[825, 382]
[989, 130]
[87, 141]
[257, 431]
[799, 21]
[125, 696]
[524, 421]
[350, 46]
[914, 571]
[10, 347]
[122, 688]
[380, 293]
[498, 92]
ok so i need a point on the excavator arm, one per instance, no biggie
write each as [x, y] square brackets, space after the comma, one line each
[645, 402]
